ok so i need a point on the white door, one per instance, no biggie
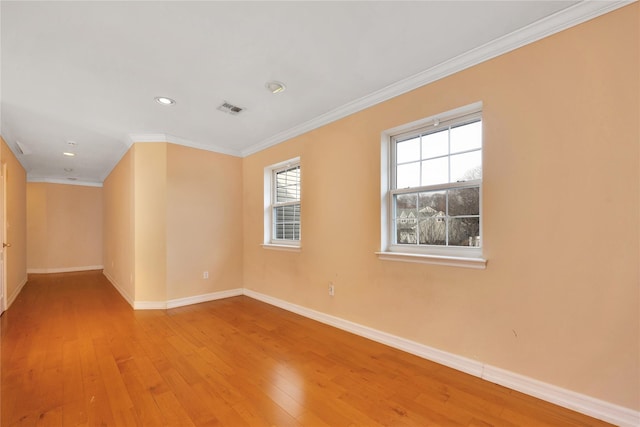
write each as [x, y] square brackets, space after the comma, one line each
[3, 290]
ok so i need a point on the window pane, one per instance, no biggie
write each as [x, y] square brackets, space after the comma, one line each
[406, 202]
[288, 194]
[467, 166]
[432, 203]
[408, 175]
[433, 231]
[405, 233]
[435, 144]
[406, 218]
[464, 201]
[431, 210]
[435, 171]
[288, 185]
[464, 232]
[466, 137]
[408, 151]
[287, 222]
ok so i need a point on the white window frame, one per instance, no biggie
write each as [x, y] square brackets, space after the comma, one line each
[270, 242]
[471, 257]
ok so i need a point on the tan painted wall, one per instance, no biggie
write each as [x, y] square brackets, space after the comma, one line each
[118, 226]
[204, 222]
[150, 219]
[176, 212]
[16, 208]
[64, 227]
[559, 299]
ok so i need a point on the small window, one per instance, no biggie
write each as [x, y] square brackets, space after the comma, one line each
[434, 190]
[282, 203]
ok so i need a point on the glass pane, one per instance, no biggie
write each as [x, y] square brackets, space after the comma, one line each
[408, 175]
[435, 144]
[435, 171]
[432, 203]
[288, 185]
[431, 213]
[406, 233]
[464, 201]
[433, 231]
[408, 151]
[405, 218]
[467, 166]
[288, 194]
[466, 137]
[464, 232]
[287, 222]
[406, 202]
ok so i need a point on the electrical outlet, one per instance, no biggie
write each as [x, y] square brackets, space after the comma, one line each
[205, 275]
[332, 289]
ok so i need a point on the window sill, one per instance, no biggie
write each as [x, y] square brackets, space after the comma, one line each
[286, 248]
[477, 263]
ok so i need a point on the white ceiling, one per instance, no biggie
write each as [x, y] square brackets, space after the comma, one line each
[89, 71]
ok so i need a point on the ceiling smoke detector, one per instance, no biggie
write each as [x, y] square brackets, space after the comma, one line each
[230, 108]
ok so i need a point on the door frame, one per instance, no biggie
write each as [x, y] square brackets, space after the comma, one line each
[3, 236]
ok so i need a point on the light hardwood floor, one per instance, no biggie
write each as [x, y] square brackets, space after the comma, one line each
[75, 353]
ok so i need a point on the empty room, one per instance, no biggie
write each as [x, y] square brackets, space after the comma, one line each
[310, 213]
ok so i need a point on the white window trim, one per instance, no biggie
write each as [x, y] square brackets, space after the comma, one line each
[269, 242]
[457, 257]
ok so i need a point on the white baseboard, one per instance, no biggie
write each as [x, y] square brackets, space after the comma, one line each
[15, 293]
[63, 269]
[180, 302]
[149, 305]
[119, 288]
[587, 405]
[569, 399]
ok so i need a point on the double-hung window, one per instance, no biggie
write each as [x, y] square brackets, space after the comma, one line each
[282, 204]
[434, 189]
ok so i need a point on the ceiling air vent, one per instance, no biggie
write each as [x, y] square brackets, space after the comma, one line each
[230, 109]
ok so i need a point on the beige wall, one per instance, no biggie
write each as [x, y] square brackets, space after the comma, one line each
[118, 226]
[64, 227]
[172, 213]
[559, 299]
[150, 221]
[16, 208]
[204, 222]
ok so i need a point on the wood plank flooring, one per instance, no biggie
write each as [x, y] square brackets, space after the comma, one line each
[75, 353]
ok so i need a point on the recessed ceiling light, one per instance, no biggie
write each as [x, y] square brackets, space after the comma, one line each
[275, 87]
[69, 154]
[163, 100]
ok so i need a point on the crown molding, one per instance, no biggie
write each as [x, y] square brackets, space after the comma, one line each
[163, 137]
[559, 21]
[63, 181]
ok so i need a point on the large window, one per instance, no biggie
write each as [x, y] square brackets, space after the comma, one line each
[282, 203]
[434, 192]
